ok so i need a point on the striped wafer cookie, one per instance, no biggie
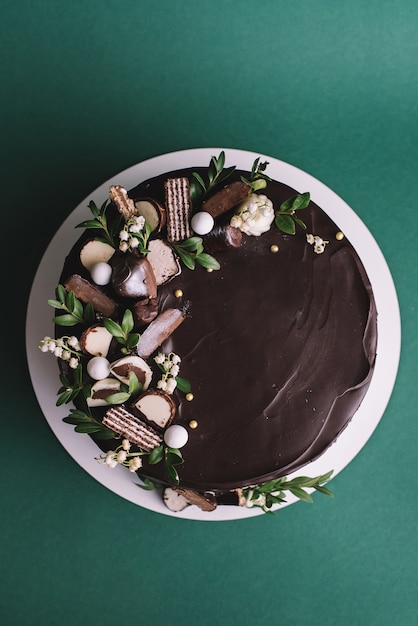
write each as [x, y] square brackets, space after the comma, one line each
[118, 419]
[124, 203]
[178, 207]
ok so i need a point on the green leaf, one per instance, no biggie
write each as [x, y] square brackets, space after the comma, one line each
[87, 428]
[55, 304]
[200, 180]
[183, 385]
[132, 340]
[301, 201]
[135, 386]
[207, 261]
[127, 322]
[301, 494]
[113, 328]
[285, 223]
[171, 473]
[156, 455]
[89, 224]
[324, 490]
[118, 398]
[65, 320]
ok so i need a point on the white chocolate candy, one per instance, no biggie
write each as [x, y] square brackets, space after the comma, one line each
[98, 368]
[176, 436]
[202, 223]
[101, 273]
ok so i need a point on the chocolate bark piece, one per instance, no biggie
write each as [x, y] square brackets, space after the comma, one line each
[174, 501]
[158, 331]
[232, 498]
[121, 421]
[144, 311]
[227, 198]
[133, 276]
[90, 293]
[157, 407]
[123, 202]
[178, 207]
[222, 237]
[205, 501]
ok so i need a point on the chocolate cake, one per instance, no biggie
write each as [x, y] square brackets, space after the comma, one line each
[226, 334]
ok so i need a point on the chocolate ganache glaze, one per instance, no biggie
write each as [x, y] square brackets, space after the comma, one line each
[279, 349]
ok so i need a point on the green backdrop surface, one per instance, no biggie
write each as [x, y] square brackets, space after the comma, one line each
[92, 87]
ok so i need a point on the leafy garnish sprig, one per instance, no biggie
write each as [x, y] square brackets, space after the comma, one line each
[272, 492]
[71, 389]
[122, 331]
[75, 311]
[171, 457]
[84, 422]
[217, 173]
[257, 180]
[286, 219]
[110, 228]
[191, 251]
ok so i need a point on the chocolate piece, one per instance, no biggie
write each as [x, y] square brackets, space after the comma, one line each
[131, 363]
[96, 340]
[89, 293]
[178, 205]
[222, 237]
[101, 390]
[205, 501]
[121, 421]
[144, 311]
[164, 261]
[232, 498]
[174, 501]
[123, 202]
[95, 251]
[226, 198]
[158, 331]
[132, 276]
[157, 407]
[152, 212]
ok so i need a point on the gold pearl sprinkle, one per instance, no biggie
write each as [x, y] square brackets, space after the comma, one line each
[193, 424]
[274, 248]
[339, 236]
[189, 397]
[209, 270]
[178, 293]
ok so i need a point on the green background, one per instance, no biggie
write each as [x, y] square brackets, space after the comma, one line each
[91, 87]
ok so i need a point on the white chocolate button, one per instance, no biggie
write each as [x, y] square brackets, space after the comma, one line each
[202, 223]
[101, 273]
[176, 436]
[98, 368]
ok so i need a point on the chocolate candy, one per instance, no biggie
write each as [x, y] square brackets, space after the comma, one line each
[222, 237]
[227, 198]
[132, 276]
[158, 331]
[124, 204]
[89, 293]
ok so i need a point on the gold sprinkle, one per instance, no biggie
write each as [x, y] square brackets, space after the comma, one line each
[339, 236]
[189, 397]
[209, 269]
[274, 248]
[193, 424]
[178, 293]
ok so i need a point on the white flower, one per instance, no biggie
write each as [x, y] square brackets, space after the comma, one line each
[58, 352]
[123, 246]
[171, 385]
[73, 342]
[73, 363]
[160, 358]
[126, 444]
[133, 243]
[43, 347]
[51, 346]
[162, 384]
[123, 235]
[255, 215]
[66, 355]
[135, 463]
[310, 239]
[236, 221]
[121, 456]
[175, 359]
[110, 460]
[174, 371]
